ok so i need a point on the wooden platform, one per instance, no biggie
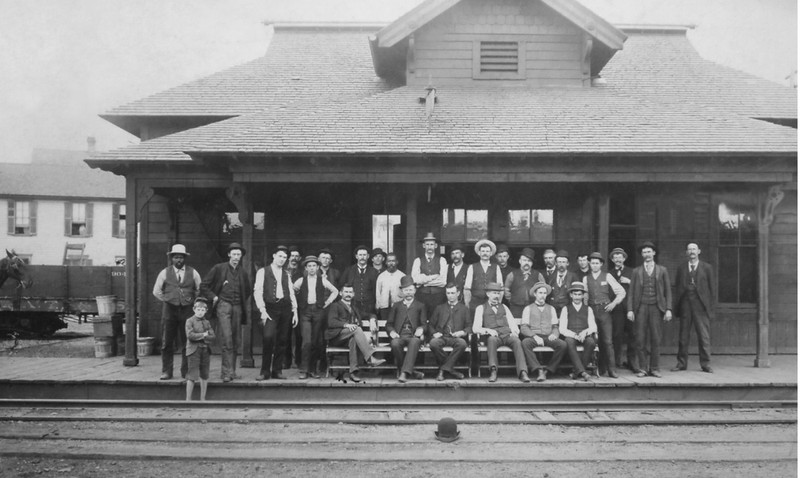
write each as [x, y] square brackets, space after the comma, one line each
[735, 378]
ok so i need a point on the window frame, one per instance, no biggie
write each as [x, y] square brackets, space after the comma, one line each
[747, 203]
[529, 240]
[464, 239]
[12, 217]
[89, 218]
[118, 222]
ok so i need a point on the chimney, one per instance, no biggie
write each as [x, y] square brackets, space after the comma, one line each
[90, 144]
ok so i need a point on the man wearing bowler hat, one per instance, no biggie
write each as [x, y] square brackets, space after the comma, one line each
[695, 293]
[406, 327]
[649, 304]
[560, 282]
[480, 275]
[176, 286]
[363, 277]
[228, 286]
[312, 303]
[577, 326]
[622, 327]
[430, 274]
[449, 327]
[539, 328]
[519, 282]
[605, 295]
[494, 321]
[277, 305]
[457, 272]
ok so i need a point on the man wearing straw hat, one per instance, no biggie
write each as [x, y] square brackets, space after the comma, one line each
[540, 329]
[430, 275]
[312, 304]
[176, 286]
[480, 275]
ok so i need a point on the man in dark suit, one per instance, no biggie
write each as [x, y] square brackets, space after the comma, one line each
[228, 286]
[344, 326]
[325, 257]
[622, 328]
[560, 282]
[363, 277]
[457, 272]
[694, 299]
[649, 303]
[449, 326]
[406, 327]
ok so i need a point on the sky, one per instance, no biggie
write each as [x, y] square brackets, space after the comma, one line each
[64, 62]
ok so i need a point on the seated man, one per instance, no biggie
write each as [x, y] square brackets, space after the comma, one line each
[540, 329]
[449, 326]
[494, 320]
[406, 326]
[577, 325]
[344, 326]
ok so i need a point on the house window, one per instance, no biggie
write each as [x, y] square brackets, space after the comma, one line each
[465, 225]
[78, 219]
[498, 60]
[21, 218]
[738, 263]
[530, 226]
[383, 228]
[118, 220]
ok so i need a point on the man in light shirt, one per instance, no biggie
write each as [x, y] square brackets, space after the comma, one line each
[577, 326]
[274, 296]
[494, 321]
[430, 275]
[480, 274]
[312, 302]
[539, 328]
[601, 287]
[387, 287]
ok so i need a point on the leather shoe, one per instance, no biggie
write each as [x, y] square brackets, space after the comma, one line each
[313, 375]
[708, 369]
[493, 375]
[457, 375]
[677, 368]
[227, 379]
[542, 375]
[656, 374]
[166, 376]
[641, 373]
[612, 374]
[373, 362]
[584, 376]
[354, 377]
[403, 378]
[278, 376]
[440, 376]
[302, 375]
[418, 375]
[261, 377]
[523, 377]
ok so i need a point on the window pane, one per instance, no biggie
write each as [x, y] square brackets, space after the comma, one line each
[477, 224]
[748, 274]
[519, 225]
[78, 213]
[22, 216]
[453, 229]
[728, 274]
[748, 227]
[543, 226]
[122, 211]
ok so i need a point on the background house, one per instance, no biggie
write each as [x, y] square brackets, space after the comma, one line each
[56, 200]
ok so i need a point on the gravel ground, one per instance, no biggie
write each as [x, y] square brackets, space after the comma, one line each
[76, 341]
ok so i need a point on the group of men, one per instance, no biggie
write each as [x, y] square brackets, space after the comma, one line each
[441, 304]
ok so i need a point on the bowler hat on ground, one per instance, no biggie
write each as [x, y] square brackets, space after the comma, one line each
[430, 237]
[577, 286]
[597, 255]
[540, 285]
[236, 245]
[648, 244]
[447, 430]
[406, 281]
[377, 251]
[310, 259]
[562, 253]
[528, 252]
[494, 286]
[178, 249]
[618, 250]
[485, 242]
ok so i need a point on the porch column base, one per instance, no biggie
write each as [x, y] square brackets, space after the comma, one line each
[762, 362]
[130, 361]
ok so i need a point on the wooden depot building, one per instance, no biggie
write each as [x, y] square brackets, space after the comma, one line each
[530, 122]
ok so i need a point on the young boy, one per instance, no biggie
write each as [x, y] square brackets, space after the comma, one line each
[199, 335]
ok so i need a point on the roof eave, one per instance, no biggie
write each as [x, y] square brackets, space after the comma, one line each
[404, 26]
[589, 22]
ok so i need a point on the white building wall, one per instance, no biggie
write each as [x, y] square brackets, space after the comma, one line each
[47, 246]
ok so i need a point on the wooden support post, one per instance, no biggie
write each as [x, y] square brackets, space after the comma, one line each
[240, 196]
[411, 225]
[766, 214]
[603, 214]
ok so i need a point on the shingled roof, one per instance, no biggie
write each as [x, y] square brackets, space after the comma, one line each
[67, 177]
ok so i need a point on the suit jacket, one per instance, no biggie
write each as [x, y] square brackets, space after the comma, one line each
[194, 333]
[416, 314]
[364, 290]
[569, 278]
[461, 319]
[663, 288]
[214, 279]
[625, 272]
[338, 317]
[706, 286]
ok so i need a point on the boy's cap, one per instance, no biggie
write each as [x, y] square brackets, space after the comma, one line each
[201, 300]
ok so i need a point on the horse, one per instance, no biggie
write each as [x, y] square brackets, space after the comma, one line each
[12, 266]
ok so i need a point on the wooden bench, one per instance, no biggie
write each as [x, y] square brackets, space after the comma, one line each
[380, 341]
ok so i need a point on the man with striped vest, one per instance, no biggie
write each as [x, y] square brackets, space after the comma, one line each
[176, 286]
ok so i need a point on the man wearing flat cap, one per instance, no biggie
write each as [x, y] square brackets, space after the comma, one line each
[622, 327]
[480, 275]
[430, 274]
[449, 327]
[493, 321]
[457, 272]
[576, 324]
[314, 295]
[363, 278]
[277, 304]
[406, 326]
[649, 304]
[539, 327]
[228, 286]
[605, 294]
[519, 282]
[176, 286]
[560, 282]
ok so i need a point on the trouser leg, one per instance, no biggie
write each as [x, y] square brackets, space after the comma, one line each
[436, 345]
[559, 350]
[618, 338]
[284, 324]
[305, 327]
[589, 344]
[459, 347]
[516, 348]
[269, 332]
[412, 348]
[169, 325]
[702, 326]
[317, 348]
[604, 332]
[574, 356]
[531, 360]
